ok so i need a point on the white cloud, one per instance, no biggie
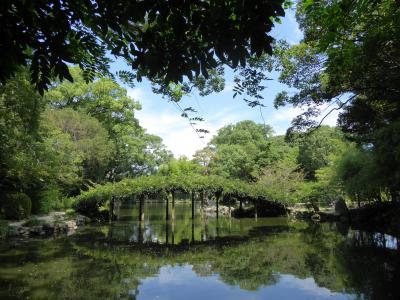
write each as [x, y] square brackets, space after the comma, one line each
[285, 114]
[308, 285]
[280, 119]
[136, 93]
[176, 132]
[330, 119]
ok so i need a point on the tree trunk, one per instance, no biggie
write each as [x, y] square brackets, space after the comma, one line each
[111, 209]
[173, 205]
[217, 195]
[167, 208]
[141, 213]
[192, 205]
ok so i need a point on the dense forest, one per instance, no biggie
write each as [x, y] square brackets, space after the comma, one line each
[79, 135]
[66, 129]
[72, 137]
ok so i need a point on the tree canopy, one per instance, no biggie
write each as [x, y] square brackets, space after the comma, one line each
[158, 39]
[348, 61]
[76, 135]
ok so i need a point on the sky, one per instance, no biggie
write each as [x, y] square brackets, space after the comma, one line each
[163, 118]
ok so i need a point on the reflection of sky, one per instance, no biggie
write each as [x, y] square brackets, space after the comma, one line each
[378, 239]
[181, 282]
[386, 241]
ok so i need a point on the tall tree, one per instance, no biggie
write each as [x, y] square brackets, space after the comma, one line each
[88, 136]
[347, 61]
[241, 150]
[136, 152]
[319, 148]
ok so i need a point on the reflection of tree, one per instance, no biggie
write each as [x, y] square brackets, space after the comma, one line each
[98, 263]
[51, 274]
[369, 268]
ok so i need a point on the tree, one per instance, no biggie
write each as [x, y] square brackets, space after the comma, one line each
[180, 167]
[166, 40]
[349, 55]
[243, 133]
[241, 150]
[283, 180]
[56, 145]
[20, 109]
[358, 176]
[204, 157]
[136, 152]
[235, 161]
[349, 59]
[319, 148]
[31, 157]
[89, 138]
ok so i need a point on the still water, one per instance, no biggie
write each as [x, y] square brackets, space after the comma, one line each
[272, 258]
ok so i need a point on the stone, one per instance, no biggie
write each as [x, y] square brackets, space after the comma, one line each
[316, 217]
[81, 220]
[71, 225]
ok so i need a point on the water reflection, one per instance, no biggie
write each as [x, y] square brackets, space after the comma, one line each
[204, 258]
[183, 280]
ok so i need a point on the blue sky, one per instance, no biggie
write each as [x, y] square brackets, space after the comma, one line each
[164, 119]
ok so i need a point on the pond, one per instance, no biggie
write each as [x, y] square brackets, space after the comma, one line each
[270, 258]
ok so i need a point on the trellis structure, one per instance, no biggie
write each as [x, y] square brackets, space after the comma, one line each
[166, 186]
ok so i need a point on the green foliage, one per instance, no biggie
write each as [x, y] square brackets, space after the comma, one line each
[180, 167]
[86, 134]
[158, 40]
[243, 133]
[89, 207]
[319, 148]
[51, 198]
[20, 109]
[204, 157]
[241, 150]
[90, 141]
[33, 221]
[349, 60]
[3, 229]
[17, 206]
[89, 202]
[284, 181]
[133, 152]
[358, 175]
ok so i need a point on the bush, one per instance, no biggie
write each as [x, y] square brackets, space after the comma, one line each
[70, 213]
[50, 199]
[17, 206]
[33, 221]
[90, 207]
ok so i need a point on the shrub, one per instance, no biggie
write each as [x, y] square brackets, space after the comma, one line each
[70, 213]
[33, 221]
[17, 206]
[89, 207]
[50, 199]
